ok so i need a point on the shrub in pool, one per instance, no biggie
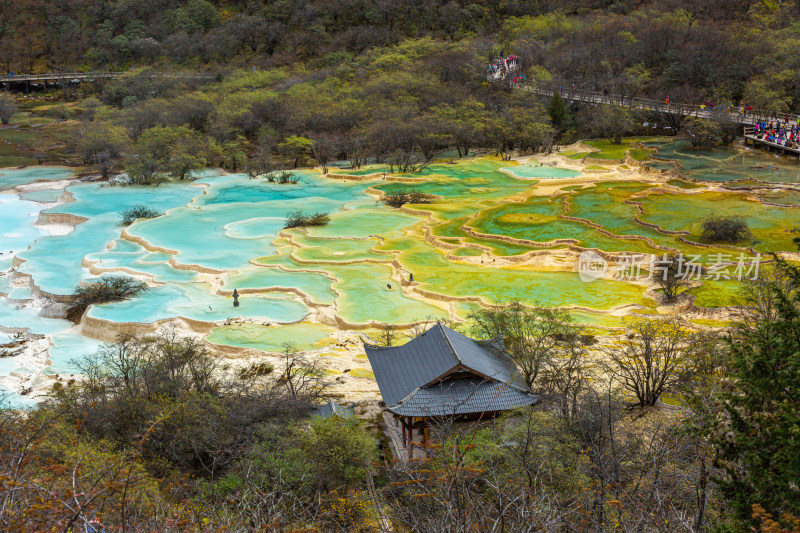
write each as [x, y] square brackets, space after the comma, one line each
[129, 216]
[401, 197]
[106, 289]
[282, 176]
[725, 230]
[298, 219]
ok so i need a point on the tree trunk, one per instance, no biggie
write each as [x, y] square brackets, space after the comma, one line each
[702, 497]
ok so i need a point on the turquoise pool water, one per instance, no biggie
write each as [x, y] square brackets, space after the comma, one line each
[196, 301]
[18, 315]
[538, 170]
[314, 284]
[16, 224]
[238, 218]
[301, 336]
[67, 349]
[225, 232]
[45, 196]
[11, 177]
[102, 206]
[136, 259]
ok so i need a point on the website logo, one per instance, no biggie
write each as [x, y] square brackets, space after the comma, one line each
[591, 266]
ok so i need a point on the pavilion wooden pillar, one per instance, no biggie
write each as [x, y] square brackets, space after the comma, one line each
[410, 437]
[407, 428]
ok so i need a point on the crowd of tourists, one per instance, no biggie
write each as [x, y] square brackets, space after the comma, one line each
[505, 66]
[782, 133]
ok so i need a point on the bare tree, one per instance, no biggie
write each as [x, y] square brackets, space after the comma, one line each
[261, 162]
[388, 336]
[669, 276]
[469, 482]
[708, 360]
[8, 106]
[420, 326]
[609, 121]
[723, 229]
[302, 378]
[565, 375]
[762, 294]
[641, 469]
[90, 107]
[325, 148]
[648, 360]
[725, 125]
[531, 334]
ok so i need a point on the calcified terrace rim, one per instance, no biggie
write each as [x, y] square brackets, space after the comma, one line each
[573, 244]
[399, 272]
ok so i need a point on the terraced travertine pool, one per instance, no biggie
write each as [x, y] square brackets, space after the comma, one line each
[494, 232]
[724, 164]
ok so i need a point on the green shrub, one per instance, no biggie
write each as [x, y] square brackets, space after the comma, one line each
[105, 289]
[401, 197]
[256, 370]
[298, 219]
[725, 230]
[129, 216]
[61, 112]
[282, 177]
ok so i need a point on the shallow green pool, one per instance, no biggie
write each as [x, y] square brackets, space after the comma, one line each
[538, 170]
[301, 336]
[726, 164]
[225, 232]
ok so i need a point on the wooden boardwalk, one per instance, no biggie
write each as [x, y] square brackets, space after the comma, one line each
[748, 119]
[631, 102]
[749, 137]
[77, 77]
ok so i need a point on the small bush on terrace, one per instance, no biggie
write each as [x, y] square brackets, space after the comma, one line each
[298, 219]
[402, 197]
[129, 216]
[106, 289]
[725, 230]
[282, 177]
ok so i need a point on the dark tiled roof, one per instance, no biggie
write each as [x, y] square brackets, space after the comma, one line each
[484, 358]
[462, 396]
[334, 409]
[402, 371]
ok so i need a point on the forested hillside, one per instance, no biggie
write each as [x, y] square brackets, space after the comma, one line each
[691, 49]
[310, 82]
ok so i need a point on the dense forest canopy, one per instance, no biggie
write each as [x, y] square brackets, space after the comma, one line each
[688, 49]
[311, 82]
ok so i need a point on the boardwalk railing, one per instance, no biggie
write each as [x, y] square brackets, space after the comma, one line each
[632, 102]
[65, 77]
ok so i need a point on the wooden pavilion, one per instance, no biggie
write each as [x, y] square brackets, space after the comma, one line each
[444, 375]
